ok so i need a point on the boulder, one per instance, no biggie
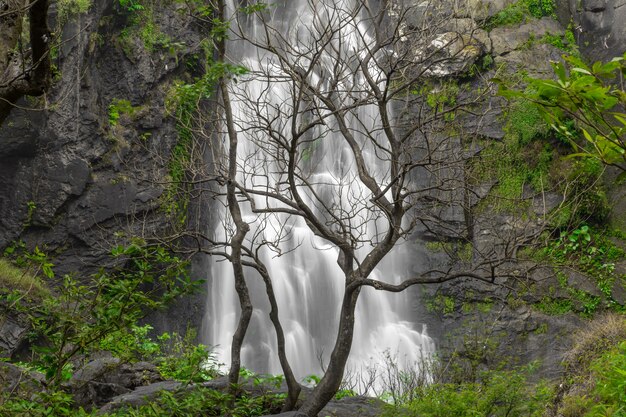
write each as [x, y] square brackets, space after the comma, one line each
[102, 379]
[139, 396]
[18, 382]
[510, 38]
[14, 329]
[484, 9]
[353, 407]
[448, 54]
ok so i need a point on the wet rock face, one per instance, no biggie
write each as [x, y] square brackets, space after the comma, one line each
[600, 26]
[74, 183]
[69, 179]
[13, 331]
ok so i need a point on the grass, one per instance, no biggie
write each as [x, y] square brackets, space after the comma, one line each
[13, 278]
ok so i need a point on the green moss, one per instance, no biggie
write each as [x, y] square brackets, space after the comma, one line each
[462, 251]
[441, 304]
[526, 123]
[22, 280]
[118, 108]
[553, 306]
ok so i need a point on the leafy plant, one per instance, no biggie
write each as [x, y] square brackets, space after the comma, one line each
[182, 360]
[205, 402]
[43, 404]
[588, 95]
[119, 107]
[521, 11]
[132, 5]
[79, 317]
[590, 252]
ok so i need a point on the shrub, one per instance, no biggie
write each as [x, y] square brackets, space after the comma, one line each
[498, 393]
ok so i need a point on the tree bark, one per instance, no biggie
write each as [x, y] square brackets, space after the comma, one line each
[236, 243]
[241, 227]
[331, 381]
[293, 386]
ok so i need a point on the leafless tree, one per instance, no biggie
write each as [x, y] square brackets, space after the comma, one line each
[356, 77]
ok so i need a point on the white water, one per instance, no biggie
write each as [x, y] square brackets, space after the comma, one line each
[307, 280]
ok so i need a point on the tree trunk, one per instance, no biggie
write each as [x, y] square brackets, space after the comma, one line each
[330, 383]
[292, 383]
[241, 227]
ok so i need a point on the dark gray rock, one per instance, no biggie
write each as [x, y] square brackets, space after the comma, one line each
[483, 9]
[510, 38]
[353, 407]
[102, 379]
[14, 329]
[448, 54]
[72, 184]
[19, 383]
[139, 396]
[600, 26]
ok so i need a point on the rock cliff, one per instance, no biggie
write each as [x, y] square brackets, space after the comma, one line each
[87, 166]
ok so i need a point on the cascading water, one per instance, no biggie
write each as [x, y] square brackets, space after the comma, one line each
[307, 279]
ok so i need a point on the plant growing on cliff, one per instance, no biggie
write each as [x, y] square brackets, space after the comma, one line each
[79, 317]
[593, 97]
[520, 11]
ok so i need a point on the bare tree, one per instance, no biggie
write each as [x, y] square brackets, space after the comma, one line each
[345, 78]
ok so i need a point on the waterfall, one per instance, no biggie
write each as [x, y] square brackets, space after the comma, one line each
[307, 279]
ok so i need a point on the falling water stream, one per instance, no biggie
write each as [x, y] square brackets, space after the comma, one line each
[306, 277]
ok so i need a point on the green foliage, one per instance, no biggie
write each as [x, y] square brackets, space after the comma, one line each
[498, 393]
[611, 383]
[312, 379]
[343, 393]
[205, 402]
[183, 102]
[521, 11]
[608, 397]
[130, 344]
[441, 304]
[22, 280]
[589, 96]
[144, 25]
[520, 159]
[185, 361]
[525, 122]
[565, 42]
[514, 165]
[43, 404]
[440, 96]
[591, 253]
[457, 250]
[69, 8]
[131, 5]
[554, 306]
[118, 108]
[79, 317]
